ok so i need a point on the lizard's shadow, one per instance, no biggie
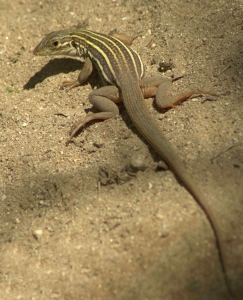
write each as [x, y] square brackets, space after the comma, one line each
[54, 67]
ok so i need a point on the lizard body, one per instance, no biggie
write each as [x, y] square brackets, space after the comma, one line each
[122, 68]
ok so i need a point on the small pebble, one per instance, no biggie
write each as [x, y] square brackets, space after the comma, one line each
[37, 234]
[137, 162]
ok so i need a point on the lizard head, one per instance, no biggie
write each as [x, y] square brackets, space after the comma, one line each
[57, 43]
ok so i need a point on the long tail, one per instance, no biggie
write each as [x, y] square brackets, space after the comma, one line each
[143, 121]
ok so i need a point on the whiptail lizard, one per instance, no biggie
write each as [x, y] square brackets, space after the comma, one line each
[122, 68]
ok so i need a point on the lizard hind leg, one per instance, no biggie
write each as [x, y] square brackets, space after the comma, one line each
[160, 88]
[104, 100]
[126, 39]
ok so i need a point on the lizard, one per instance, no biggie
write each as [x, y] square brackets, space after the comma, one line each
[123, 71]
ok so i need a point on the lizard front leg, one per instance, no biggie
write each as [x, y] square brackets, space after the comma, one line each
[82, 77]
[104, 99]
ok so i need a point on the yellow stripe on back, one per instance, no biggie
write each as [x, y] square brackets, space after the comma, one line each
[109, 53]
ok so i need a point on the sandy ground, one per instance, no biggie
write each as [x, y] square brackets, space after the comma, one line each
[74, 223]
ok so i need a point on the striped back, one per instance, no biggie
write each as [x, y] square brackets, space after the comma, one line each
[111, 56]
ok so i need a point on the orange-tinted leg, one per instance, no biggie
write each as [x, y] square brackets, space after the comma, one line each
[160, 87]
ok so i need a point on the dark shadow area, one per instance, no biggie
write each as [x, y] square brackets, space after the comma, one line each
[36, 194]
[54, 67]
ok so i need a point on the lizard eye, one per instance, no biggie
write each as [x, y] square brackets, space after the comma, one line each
[55, 43]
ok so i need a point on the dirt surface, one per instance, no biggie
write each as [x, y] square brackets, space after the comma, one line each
[75, 224]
